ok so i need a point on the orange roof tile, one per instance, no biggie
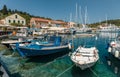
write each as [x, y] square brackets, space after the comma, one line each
[1, 22]
[39, 19]
[46, 20]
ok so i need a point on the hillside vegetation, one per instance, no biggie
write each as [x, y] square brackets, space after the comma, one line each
[115, 21]
[4, 12]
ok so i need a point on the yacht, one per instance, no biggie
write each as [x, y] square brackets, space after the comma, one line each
[114, 47]
[108, 28]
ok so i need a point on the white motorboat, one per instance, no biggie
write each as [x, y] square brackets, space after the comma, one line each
[108, 28]
[85, 57]
[114, 47]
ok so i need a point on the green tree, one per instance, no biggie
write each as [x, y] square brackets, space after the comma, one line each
[4, 10]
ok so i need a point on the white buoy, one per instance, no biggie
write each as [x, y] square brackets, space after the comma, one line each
[117, 54]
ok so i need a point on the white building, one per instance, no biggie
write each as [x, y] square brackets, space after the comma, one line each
[41, 22]
[71, 24]
[14, 18]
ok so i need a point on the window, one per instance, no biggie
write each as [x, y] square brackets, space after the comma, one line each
[22, 22]
[16, 16]
[9, 21]
[18, 21]
[13, 21]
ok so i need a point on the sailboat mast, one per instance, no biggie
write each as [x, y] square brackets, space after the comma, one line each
[85, 14]
[70, 17]
[76, 13]
[70, 20]
[81, 19]
[106, 19]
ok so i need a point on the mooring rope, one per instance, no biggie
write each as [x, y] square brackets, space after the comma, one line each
[65, 71]
[94, 72]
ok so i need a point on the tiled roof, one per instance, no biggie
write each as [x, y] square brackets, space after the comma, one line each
[40, 20]
[1, 22]
[46, 20]
[58, 22]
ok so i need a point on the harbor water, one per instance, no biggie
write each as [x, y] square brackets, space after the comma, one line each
[60, 64]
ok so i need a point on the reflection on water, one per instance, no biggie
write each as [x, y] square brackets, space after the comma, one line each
[46, 58]
[107, 35]
[114, 64]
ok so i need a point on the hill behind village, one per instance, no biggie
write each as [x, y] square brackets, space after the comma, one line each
[5, 11]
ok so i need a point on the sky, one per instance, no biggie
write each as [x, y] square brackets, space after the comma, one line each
[97, 10]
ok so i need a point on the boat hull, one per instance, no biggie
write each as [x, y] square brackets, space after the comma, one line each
[85, 57]
[85, 66]
[114, 48]
[114, 51]
[26, 52]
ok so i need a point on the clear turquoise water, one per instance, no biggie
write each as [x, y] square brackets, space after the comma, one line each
[60, 65]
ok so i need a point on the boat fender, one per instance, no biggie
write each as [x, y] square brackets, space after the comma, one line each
[69, 45]
[116, 53]
[109, 49]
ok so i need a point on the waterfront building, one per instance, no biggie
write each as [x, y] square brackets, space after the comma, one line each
[14, 18]
[42, 22]
[71, 24]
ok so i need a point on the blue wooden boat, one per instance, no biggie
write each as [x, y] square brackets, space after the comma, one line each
[45, 48]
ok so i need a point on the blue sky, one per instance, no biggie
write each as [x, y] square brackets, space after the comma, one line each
[97, 10]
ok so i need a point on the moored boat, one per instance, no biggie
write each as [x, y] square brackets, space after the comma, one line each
[85, 57]
[9, 41]
[35, 49]
[108, 28]
[114, 47]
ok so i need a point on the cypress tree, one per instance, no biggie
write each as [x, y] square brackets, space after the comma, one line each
[4, 10]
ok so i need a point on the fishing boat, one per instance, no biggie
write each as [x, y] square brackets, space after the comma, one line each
[53, 46]
[85, 57]
[15, 40]
[26, 41]
[10, 41]
[114, 47]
